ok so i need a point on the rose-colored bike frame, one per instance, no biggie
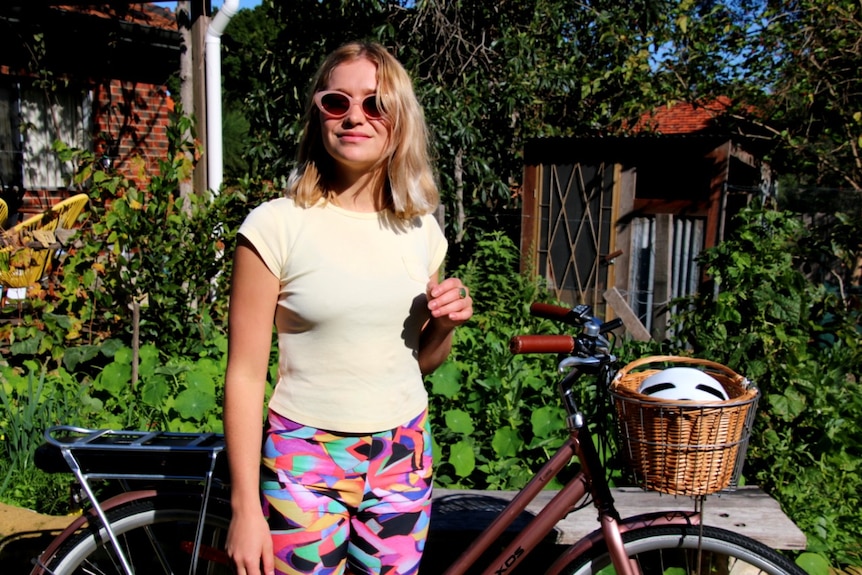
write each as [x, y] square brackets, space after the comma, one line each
[589, 354]
[563, 503]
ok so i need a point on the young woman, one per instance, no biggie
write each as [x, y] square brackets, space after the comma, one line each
[347, 265]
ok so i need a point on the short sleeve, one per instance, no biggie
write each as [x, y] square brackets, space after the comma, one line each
[267, 229]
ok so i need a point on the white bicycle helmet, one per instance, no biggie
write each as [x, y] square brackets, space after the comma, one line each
[684, 384]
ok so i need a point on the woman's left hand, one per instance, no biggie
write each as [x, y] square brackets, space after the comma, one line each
[449, 301]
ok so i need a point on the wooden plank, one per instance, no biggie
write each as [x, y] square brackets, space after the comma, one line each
[632, 323]
[662, 285]
[529, 217]
[747, 511]
[623, 205]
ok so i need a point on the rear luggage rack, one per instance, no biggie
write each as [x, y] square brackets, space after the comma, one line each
[121, 454]
[124, 456]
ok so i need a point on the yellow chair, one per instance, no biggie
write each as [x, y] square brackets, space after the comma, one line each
[21, 265]
[69, 209]
[4, 213]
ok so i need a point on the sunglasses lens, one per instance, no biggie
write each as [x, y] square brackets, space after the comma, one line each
[371, 107]
[335, 104]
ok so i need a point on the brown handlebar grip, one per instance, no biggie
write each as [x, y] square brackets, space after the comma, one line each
[549, 311]
[542, 344]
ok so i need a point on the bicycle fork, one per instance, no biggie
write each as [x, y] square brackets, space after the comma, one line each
[609, 517]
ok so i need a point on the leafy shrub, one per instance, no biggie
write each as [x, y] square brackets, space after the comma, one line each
[799, 343]
[172, 393]
[132, 332]
[495, 415]
[146, 266]
[33, 401]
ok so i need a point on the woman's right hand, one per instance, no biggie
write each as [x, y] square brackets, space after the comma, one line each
[249, 545]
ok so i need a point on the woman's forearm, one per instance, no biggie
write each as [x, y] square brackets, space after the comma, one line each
[435, 343]
[243, 416]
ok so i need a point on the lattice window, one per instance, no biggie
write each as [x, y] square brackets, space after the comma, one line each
[575, 215]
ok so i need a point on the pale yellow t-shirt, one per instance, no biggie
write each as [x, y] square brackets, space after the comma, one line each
[350, 310]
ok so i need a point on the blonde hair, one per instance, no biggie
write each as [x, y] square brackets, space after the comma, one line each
[410, 188]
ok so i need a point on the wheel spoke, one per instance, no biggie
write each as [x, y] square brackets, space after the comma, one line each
[156, 536]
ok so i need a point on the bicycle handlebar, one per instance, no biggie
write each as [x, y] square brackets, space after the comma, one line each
[588, 342]
[577, 316]
[573, 316]
[542, 344]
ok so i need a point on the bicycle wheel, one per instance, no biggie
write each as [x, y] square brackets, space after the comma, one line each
[683, 549]
[156, 536]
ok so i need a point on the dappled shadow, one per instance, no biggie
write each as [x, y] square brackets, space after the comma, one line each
[19, 550]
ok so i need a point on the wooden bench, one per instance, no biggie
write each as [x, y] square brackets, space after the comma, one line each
[747, 511]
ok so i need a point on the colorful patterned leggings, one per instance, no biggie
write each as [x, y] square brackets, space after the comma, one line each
[335, 502]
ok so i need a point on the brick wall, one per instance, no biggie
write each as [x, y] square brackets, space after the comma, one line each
[130, 123]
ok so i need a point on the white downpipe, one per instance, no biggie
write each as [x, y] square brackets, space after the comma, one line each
[212, 55]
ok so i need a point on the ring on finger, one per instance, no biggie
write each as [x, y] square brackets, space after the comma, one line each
[462, 292]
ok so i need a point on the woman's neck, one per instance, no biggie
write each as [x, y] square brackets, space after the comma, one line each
[363, 193]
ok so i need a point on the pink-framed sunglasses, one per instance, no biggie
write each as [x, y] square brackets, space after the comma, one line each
[336, 105]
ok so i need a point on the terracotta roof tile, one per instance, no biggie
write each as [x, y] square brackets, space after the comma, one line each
[140, 13]
[682, 117]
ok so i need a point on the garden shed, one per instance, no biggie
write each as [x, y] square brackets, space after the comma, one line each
[93, 76]
[618, 222]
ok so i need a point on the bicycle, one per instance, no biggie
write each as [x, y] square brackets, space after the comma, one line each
[147, 530]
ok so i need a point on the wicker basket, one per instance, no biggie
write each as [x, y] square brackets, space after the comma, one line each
[683, 447]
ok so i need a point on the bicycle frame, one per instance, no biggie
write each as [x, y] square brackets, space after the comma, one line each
[590, 480]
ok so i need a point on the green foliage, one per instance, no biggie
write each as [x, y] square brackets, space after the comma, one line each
[132, 335]
[800, 345]
[172, 393]
[490, 77]
[813, 564]
[147, 266]
[149, 251]
[505, 73]
[495, 415]
[245, 45]
[283, 43]
[31, 402]
[810, 56]
[789, 70]
[235, 128]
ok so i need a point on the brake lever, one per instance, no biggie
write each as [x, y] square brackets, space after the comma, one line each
[573, 361]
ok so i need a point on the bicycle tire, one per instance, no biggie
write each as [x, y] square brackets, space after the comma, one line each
[674, 549]
[156, 535]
